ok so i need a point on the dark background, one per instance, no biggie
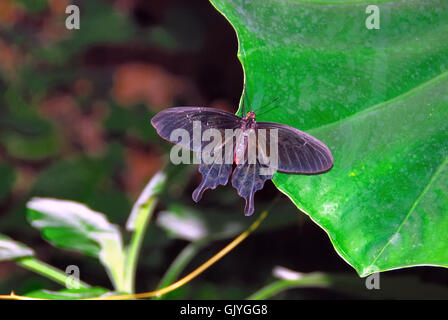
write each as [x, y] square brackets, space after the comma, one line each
[74, 124]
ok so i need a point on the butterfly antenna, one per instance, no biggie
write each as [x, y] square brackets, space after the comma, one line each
[270, 108]
[243, 110]
[245, 97]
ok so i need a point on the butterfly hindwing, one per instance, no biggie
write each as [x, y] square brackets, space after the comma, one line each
[213, 175]
[294, 152]
[248, 179]
[216, 171]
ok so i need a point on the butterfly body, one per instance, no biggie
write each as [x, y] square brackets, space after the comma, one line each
[247, 124]
[257, 149]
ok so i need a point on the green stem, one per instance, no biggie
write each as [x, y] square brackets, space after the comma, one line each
[179, 264]
[143, 217]
[311, 280]
[47, 271]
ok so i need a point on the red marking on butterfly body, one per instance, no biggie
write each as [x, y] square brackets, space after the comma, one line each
[235, 159]
[249, 121]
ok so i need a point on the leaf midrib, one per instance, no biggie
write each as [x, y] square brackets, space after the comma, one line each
[384, 104]
[411, 210]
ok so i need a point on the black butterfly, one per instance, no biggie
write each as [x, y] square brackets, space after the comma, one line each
[298, 152]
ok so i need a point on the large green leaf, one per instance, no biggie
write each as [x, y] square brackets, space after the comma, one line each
[378, 99]
[138, 217]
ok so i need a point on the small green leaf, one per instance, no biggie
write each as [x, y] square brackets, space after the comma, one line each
[152, 189]
[182, 223]
[11, 250]
[68, 294]
[71, 225]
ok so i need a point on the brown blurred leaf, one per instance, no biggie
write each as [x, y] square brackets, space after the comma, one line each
[10, 12]
[53, 27]
[81, 129]
[150, 84]
[52, 30]
[62, 108]
[10, 58]
[57, 7]
[7, 268]
[82, 87]
[140, 167]
[25, 180]
[125, 5]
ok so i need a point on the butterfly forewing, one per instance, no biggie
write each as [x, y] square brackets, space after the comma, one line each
[298, 152]
[184, 118]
